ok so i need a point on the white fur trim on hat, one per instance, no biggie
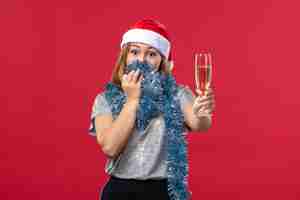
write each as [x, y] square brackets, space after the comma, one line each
[148, 37]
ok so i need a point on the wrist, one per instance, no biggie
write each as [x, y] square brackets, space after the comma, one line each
[204, 122]
[132, 102]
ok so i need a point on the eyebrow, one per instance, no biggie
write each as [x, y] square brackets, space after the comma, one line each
[133, 45]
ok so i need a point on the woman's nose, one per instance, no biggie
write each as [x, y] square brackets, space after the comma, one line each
[142, 57]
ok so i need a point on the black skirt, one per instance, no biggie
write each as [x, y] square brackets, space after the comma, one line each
[132, 189]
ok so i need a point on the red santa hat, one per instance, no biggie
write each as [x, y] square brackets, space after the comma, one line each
[149, 32]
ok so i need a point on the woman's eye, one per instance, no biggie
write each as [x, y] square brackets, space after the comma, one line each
[133, 51]
[152, 54]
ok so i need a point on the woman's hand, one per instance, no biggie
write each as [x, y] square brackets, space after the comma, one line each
[131, 85]
[204, 105]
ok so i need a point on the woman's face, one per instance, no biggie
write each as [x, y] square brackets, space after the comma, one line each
[144, 52]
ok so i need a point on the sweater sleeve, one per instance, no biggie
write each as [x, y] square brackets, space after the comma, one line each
[185, 95]
[100, 107]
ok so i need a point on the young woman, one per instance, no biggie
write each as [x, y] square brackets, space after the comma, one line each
[141, 118]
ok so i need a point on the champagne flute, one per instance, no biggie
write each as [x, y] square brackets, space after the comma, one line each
[203, 72]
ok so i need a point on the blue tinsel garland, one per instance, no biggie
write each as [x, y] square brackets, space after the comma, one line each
[150, 107]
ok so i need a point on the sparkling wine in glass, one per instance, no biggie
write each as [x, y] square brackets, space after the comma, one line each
[203, 72]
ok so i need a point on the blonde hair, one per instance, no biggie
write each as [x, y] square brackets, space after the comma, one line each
[165, 66]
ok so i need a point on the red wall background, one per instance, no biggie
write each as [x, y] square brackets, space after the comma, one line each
[55, 56]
